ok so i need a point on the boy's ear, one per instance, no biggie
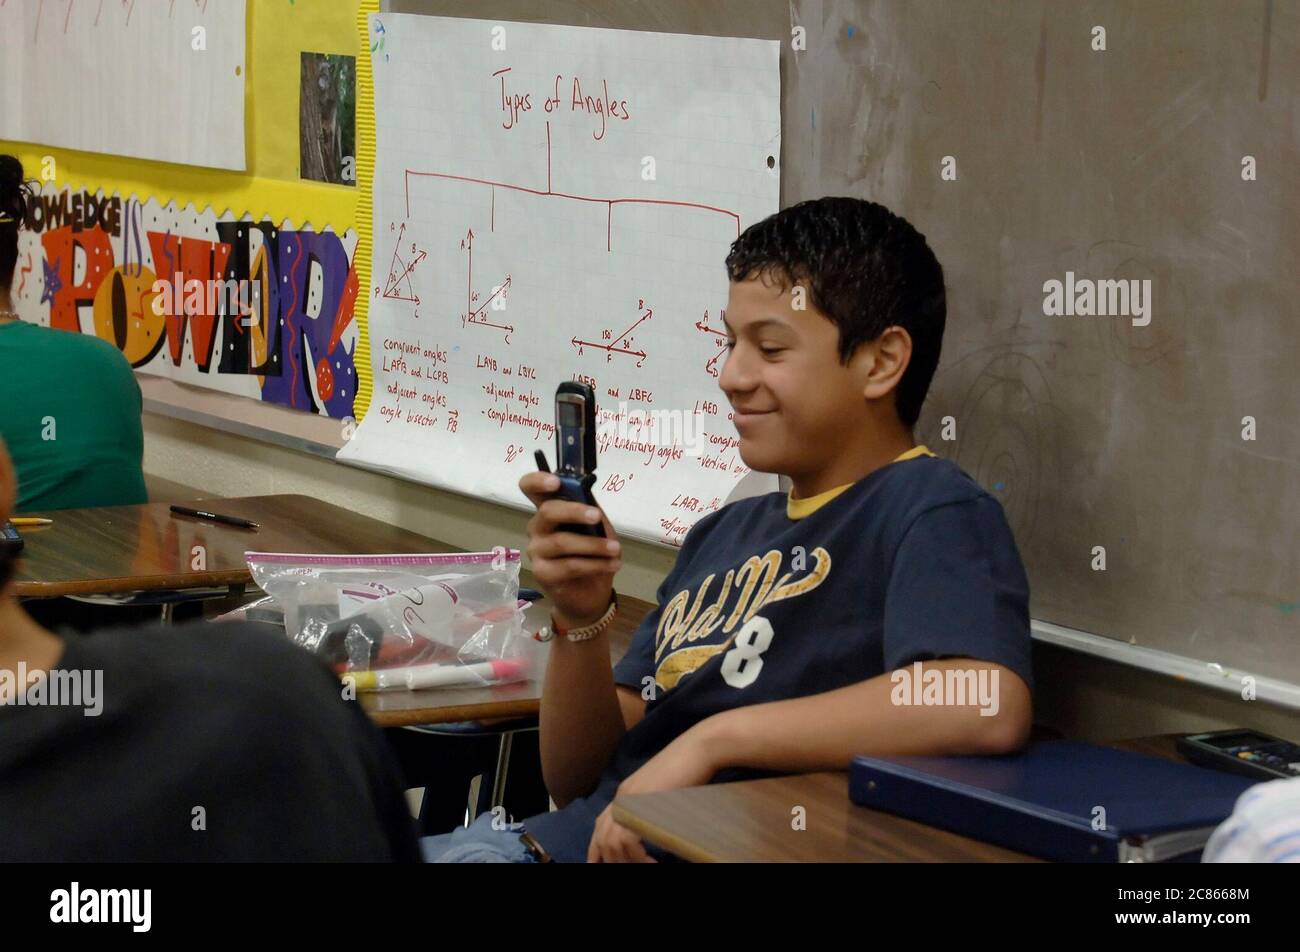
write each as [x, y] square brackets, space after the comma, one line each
[883, 362]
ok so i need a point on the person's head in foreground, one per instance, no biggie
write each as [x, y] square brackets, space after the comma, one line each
[204, 742]
[834, 323]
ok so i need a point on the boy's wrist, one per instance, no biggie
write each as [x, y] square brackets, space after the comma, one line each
[568, 622]
[579, 630]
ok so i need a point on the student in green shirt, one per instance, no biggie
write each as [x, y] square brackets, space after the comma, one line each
[69, 403]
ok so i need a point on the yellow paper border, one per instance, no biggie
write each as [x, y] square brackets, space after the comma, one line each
[365, 159]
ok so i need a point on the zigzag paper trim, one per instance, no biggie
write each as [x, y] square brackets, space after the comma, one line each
[365, 159]
[171, 207]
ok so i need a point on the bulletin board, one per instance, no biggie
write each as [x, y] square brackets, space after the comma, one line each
[305, 242]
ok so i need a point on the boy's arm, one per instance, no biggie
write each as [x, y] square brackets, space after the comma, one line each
[586, 707]
[581, 719]
[825, 731]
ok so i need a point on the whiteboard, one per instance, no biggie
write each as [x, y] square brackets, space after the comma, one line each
[555, 203]
[151, 79]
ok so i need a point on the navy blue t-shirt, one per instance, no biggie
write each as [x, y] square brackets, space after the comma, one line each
[913, 562]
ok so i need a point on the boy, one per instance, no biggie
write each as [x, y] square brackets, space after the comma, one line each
[788, 634]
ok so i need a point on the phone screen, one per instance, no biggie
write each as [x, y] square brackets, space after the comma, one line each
[570, 414]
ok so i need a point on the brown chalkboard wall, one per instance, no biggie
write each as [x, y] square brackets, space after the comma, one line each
[1128, 163]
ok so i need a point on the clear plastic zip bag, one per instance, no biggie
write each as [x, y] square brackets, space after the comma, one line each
[404, 621]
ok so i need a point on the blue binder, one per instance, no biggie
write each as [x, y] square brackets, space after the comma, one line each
[1045, 801]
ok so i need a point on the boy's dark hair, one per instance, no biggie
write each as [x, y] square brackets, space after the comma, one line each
[13, 209]
[865, 268]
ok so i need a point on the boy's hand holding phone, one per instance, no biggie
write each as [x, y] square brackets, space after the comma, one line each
[575, 571]
[571, 544]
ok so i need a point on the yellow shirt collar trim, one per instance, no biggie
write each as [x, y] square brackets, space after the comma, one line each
[799, 508]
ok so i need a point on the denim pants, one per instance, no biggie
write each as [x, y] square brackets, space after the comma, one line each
[478, 843]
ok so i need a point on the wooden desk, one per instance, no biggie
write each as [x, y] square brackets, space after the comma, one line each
[145, 548]
[117, 549]
[750, 822]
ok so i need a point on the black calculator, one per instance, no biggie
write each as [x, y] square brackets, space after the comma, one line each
[1251, 753]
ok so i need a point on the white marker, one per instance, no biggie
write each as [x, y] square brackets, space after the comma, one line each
[439, 675]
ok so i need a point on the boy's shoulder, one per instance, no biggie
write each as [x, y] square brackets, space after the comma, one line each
[919, 499]
[897, 493]
[916, 485]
